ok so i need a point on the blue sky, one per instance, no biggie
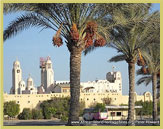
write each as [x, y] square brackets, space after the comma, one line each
[31, 44]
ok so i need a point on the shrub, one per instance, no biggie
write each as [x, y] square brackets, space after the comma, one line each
[107, 101]
[99, 106]
[47, 109]
[58, 108]
[11, 108]
[37, 114]
[25, 115]
[147, 108]
[64, 118]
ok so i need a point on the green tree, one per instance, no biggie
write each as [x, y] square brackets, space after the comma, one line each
[47, 109]
[151, 71]
[11, 108]
[60, 108]
[99, 107]
[73, 22]
[37, 114]
[135, 38]
[81, 26]
[107, 101]
[26, 114]
[146, 108]
[129, 39]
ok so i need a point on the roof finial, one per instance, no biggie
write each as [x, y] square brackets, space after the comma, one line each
[113, 67]
[48, 57]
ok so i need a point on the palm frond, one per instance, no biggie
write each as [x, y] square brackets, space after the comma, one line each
[89, 50]
[118, 58]
[139, 72]
[25, 21]
[146, 80]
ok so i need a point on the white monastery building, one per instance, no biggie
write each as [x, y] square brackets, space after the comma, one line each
[91, 92]
[113, 84]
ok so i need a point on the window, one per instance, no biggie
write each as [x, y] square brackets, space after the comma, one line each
[17, 101]
[112, 114]
[147, 95]
[28, 101]
[30, 83]
[119, 113]
[49, 66]
[87, 99]
[18, 71]
[64, 90]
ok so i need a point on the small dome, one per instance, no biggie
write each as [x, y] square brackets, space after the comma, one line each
[22, 82]
[29, 79]
[49, 62]
[16, 63]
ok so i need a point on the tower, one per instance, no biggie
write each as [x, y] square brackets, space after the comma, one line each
[115, 81]
[16, 77]
[47, 74]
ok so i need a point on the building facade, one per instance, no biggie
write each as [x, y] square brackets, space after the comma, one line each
[91, 92]
[33, 100]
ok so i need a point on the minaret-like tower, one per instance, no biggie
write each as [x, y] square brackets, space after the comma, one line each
[16, 77]
[47, 73]
[115, 81]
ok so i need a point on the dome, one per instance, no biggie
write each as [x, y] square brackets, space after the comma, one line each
[49, 61]
[29, 79]
[110, 77]
[16, 63]
[22, 82]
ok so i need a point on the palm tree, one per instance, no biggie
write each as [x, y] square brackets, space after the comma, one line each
[130, 45]
[81, 25]
[129, 40]
[151, 72]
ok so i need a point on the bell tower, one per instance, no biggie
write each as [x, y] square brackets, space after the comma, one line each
[47, 74]
[16, 77]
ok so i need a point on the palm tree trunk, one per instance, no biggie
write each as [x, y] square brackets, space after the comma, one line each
[131, 70]
[154, 87]
[75, 65]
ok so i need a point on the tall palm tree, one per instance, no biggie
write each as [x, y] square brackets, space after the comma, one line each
[135, 39]
[129, 40]
[151, 72]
